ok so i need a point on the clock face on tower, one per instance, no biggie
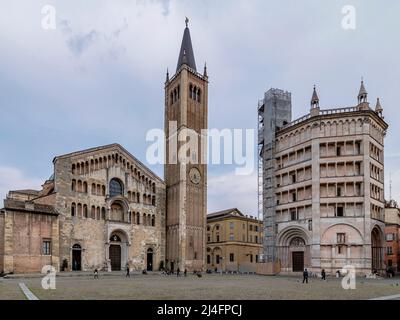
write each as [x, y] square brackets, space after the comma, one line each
[194, 176]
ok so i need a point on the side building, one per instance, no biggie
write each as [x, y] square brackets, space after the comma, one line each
[323, 186]
[392, 233]
[234, 241]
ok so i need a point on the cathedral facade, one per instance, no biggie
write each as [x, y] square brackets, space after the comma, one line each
[104, 209]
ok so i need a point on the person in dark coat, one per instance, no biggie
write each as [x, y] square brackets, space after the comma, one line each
[96, 274]
[305, 276]
[185, 273]
[323, 274]
[178, 272]
[128, 275]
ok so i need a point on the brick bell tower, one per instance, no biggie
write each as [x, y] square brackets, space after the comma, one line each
[186, 109]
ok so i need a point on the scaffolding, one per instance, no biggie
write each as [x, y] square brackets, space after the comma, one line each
[274, 111]
[260, 123]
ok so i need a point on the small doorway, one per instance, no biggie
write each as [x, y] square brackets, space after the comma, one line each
[297, 261]
[115, 257]
[76, 257]
[150, 259]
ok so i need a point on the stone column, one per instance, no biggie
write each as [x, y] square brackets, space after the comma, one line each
[55, 244]
[8, 242]
[316, 216]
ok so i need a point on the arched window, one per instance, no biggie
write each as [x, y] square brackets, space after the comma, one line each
[93, 212]
[191, 91]
[85, 187]
[73, 186]
[103, 191]
[79, 212]
[93, 189]
[73, 208]
[116, 188]
[85, 213]
[137, 218]
[73, 169]
[172, 99]
[198, 95]
[103, 213]
[179, 92]
[153, 221]
[79, 188]
[98, 213]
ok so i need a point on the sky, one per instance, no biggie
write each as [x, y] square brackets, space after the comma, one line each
[98, 77]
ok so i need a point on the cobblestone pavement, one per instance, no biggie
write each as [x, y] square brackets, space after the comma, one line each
[209, 287]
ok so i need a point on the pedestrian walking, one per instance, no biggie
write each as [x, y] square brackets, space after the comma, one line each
[305, 276]
[128, 275]
[323, 274]
[96, 274]
[178, 273]
[185, 273]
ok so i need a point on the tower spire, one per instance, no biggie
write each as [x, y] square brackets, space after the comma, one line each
[186, 55]
[378, 107]
[314, 99]
[362, 94]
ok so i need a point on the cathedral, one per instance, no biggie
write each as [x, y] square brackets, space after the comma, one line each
[104, 209]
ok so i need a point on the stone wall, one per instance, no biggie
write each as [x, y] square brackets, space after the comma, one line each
[1, 242]
[24, 236]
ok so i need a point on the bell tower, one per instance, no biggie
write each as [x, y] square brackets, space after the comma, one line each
[185, 170]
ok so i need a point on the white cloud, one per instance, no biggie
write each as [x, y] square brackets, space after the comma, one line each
[14, 179]
[228, 190]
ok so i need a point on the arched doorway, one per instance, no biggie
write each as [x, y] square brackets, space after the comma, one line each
[297, 248]
[115, 252]
[376, 249]
[293, 249]
[149, 259]
[76, 257]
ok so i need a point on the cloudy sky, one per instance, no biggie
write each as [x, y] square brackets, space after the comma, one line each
[98, 77]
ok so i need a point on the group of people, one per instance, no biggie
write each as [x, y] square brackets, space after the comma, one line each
[305, 275]
[168, 272]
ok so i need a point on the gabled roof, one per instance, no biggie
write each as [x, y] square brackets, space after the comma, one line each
[29, 206]
[114, 146]
[186, 55]
[228, 212]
